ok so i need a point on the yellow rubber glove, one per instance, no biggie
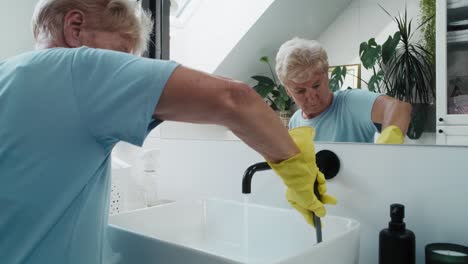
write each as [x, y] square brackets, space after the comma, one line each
[391, 135]
[299, 174]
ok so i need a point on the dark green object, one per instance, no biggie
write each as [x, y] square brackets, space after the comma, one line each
[370, 53]
[434, 256]
[419, 114]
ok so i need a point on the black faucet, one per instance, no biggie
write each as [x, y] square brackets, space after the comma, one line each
[327, 162]
[249, 172]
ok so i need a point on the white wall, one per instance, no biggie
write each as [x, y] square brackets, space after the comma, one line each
[15, 27]
[429, 180]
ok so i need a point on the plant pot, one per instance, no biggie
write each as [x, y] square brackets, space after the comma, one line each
[285, 116]
[418, 121]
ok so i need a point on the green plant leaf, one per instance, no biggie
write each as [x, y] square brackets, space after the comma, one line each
[263, 80]
[333, 85]
[281, 104]
[389, 47]
[364, 46]
[284, 95]
[375, 81]
[263, 90]
[275, 93]
[264, 59]
[337, 78]
[370, 53]
[272, 92]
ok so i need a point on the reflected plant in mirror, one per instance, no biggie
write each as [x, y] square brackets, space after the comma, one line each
[404, 69]
[274, 93]
[337, 78]
[343, 77]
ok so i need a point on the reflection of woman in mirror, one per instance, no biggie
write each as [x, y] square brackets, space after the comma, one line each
[342, 116]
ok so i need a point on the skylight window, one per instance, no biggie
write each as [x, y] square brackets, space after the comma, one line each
[181, 11]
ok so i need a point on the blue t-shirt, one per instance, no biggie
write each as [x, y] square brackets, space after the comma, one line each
[348, 119]
[61, 113]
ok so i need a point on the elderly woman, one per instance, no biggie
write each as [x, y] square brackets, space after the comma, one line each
[343, 116]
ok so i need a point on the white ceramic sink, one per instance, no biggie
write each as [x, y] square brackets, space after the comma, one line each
[219, 231]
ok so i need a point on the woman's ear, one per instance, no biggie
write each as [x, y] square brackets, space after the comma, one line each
[72, 28]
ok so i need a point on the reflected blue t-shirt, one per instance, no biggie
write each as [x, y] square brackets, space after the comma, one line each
[61, 113]
[348, 119]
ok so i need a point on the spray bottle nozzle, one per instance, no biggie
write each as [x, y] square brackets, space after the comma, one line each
[397, 212]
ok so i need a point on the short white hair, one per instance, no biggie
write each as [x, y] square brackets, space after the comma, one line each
[298, 59]
[123, 16]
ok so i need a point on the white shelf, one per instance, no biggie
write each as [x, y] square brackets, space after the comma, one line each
[458, 41]
[459, 12]
[453, 4]
[452, 135]
[451, 63]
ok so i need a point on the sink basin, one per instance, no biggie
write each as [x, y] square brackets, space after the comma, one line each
[220, 231]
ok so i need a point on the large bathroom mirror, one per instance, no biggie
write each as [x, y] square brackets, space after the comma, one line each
[228, 38]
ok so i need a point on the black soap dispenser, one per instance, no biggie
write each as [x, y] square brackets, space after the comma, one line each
[396, 243]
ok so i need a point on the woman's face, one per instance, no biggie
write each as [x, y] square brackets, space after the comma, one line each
[312, 96]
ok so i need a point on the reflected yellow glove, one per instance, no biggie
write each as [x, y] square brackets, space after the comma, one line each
[391, 135]
[299, 174]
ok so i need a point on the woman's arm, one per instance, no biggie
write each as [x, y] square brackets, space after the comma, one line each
[197, 97]
[390, 111]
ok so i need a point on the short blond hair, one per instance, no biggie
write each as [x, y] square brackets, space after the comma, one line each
[298, 59]
[123, 16]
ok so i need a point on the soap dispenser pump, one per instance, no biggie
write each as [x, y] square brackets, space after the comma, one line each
[397, 243]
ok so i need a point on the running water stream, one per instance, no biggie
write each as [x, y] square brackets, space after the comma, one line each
[245, 225]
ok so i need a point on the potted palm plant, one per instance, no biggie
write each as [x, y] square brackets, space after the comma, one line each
[404, 69]
[274, 93]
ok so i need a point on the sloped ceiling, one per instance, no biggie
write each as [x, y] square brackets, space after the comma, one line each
[283, 20]
[204, 34]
